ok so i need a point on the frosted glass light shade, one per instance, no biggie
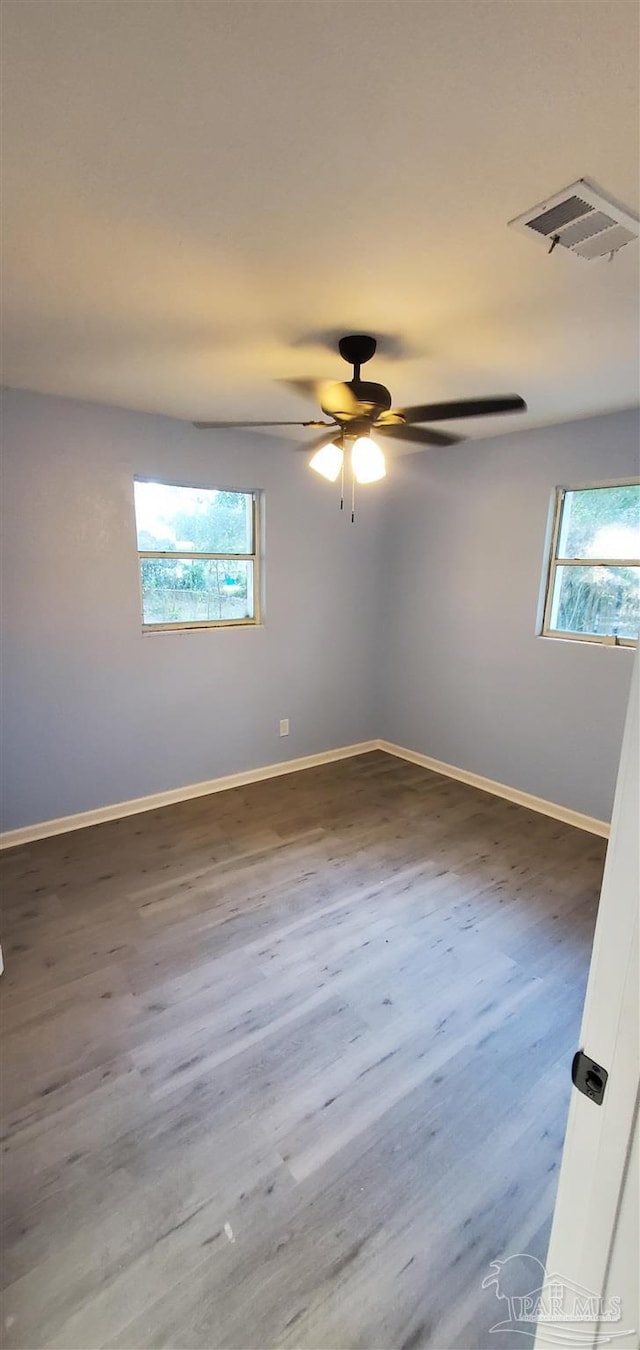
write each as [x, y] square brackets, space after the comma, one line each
[327, 461]
[367, 461]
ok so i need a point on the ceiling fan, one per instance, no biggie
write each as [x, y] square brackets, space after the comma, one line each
[358, 407]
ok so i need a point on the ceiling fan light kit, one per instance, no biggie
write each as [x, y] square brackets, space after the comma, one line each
[328, 461]
[367, 461]
[357, 407]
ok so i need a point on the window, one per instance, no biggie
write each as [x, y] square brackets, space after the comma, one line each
[593, 588]
[198, 552]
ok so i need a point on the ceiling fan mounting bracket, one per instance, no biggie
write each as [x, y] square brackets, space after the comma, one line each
[357, 349]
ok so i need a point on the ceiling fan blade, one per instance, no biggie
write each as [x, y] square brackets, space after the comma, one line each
[464, 407]
[336, 398]
[312, 389]
[204, 426]
[419, 435]
[317, 443]
[341, 400]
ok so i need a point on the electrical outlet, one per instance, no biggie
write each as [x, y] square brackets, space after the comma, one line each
[284, 726]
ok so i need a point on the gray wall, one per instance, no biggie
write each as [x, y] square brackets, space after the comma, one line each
[463, 676]
[94, 712]
[417, 625]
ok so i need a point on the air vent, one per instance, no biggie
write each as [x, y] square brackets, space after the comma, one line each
[582, 220]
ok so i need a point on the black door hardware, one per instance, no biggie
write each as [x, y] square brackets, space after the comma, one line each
[588, 1077]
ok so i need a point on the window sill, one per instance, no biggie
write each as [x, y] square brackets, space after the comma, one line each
[181, 630]
[583, 639]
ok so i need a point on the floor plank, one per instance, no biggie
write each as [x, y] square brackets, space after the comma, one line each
[288, 1065]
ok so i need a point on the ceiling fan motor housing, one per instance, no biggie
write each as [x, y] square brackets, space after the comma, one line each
[356, 401]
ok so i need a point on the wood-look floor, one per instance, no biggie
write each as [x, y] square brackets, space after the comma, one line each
[289, 1065]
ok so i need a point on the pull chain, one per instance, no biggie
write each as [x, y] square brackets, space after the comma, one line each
[353, 497]
[342, 479]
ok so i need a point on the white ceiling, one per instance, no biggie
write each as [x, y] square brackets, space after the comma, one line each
[198, 193]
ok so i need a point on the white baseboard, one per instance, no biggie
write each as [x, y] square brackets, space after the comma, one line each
[27, 834]
[564, 813]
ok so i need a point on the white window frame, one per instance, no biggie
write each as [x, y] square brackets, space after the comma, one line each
[253, 557]
[553, 562]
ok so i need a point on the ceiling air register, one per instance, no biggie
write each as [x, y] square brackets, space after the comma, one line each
[582, 220]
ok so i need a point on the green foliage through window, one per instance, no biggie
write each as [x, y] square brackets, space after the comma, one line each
[594, 582]
[178, 530]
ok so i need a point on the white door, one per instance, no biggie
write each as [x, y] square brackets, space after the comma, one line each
[593, 1259]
